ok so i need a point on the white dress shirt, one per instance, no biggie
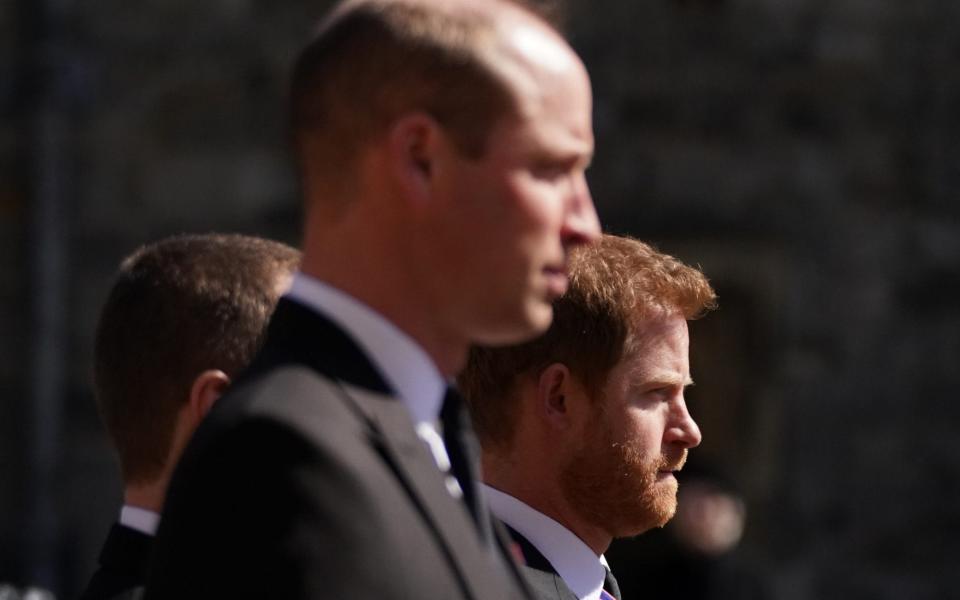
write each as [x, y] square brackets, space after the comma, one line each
[574, 561]
[402, 362]
[141, 519]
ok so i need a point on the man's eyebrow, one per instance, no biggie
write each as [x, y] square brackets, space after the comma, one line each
[580, 158]
[660, 377]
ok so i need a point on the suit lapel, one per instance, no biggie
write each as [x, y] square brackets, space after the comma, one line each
[298, 334]
[417, 471]
[512, 553]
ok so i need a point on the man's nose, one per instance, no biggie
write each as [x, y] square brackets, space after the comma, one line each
[581, 225]
[683, 429]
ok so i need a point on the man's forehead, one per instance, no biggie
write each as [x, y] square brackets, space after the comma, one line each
[658, 348]
[657, 324]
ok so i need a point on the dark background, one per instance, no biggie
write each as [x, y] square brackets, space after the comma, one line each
[804, 152]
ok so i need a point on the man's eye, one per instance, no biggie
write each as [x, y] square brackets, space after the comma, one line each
[550, 172]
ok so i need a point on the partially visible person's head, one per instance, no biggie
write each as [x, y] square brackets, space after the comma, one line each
[605, 383]
[465, 127]
[711, 513]
[186, 312]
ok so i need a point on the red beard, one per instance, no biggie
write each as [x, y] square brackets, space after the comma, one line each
[614, 486]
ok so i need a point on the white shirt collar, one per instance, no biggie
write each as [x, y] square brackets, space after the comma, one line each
[575, 563]
[405, 365]
[141, 519]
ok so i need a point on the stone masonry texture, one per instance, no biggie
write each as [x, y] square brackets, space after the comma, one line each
[803, 152]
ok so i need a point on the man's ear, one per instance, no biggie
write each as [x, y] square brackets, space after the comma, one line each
[206, 388]
[414, 140]
[556, 396]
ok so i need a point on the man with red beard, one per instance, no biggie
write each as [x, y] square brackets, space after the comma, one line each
[583, 428]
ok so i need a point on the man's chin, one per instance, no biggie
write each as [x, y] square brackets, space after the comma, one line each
[666, 515]
[655, 509]
[646, 520]
[533, 322]
[540, 316]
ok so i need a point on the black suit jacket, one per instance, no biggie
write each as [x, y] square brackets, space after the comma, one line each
[123, 566]
[307, 480]
[543, 578]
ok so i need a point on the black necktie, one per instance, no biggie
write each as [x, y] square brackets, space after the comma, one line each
[610, 583]
[462, 448]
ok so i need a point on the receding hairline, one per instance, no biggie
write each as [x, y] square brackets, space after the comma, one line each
[514, 43]
[508, 8]
[460, 63]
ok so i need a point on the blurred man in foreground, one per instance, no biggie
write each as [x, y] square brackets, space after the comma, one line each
[583, 428]
[442, 146]
[184, 317]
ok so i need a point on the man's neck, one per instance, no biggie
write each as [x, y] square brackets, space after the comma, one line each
[148, 496]
[386, 296]
[567, 555]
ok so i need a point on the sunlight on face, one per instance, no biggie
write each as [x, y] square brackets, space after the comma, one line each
[622, 478]
[541, 48]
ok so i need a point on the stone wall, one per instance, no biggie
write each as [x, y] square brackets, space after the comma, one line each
[804, 153]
